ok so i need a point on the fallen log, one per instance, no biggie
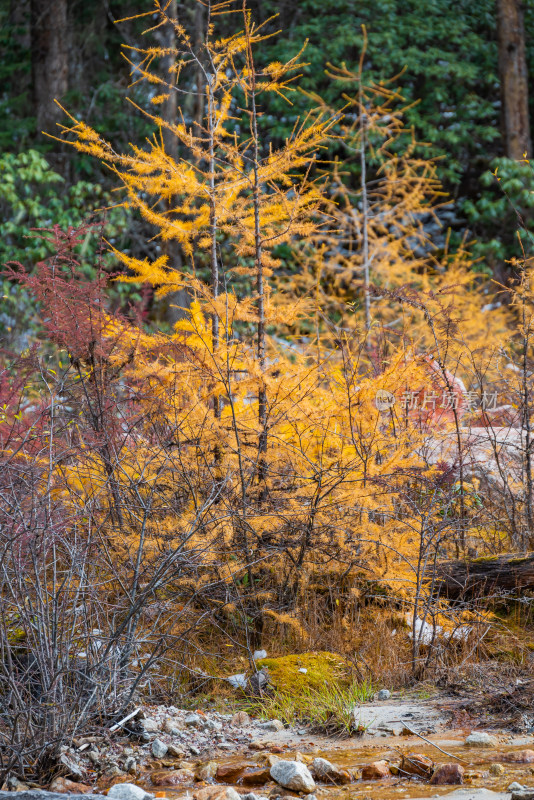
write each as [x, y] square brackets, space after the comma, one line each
[481, 577]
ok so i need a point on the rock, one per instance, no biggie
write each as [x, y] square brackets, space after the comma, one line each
[113, 771]
[238, 681]
[383, 694]
[149, 726]
[272, 725]
[252, 796]
[212, 725]
[25, 793]
[193, 721]
[259, 654]
[194, 750]
[524, 794]
[293, 775]
[448, 774]
[206, 771]
[303, 671]
[70, 766]
[64, 786]
[515, 787]
[376, 771]
[217, 793]
[257, 777]
[416, 764]
[169, 726]
[130, 765]
[496, 769]
[323, 770]
[240, 718]
[481, 739]
[175, 752]
[159, 749]
[519, 757]
[230, 773]
[128, 791]
[259, 681]
[172, 777]
[271, 759]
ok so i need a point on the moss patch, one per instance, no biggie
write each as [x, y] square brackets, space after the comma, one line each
[321, 668]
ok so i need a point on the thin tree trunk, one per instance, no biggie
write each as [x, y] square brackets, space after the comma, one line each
[50, 65]
[514, 78]
[177, 302]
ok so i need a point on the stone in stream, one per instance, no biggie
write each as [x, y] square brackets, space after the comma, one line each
[524, 794]
[514, 787]
[217, 793]
[172, 777]
[207, 771]
[257, 777]
[230, 773]
[293, 775]
[448, 774]
[496, 769]
[519, 757]
[481, 739]
[376, 771]
[324, 770]
[128, 791]
[416, 764]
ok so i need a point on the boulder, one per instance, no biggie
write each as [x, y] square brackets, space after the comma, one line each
[383, 694]
[481, 739]
[519, 757]
[238, 681]
[448, 774]
[65, 786]
[496, 769]
[172, 777]
[259, 654]
[323, 770]
[375, 771]
[175, 752]
[128, 791]
[293, 775]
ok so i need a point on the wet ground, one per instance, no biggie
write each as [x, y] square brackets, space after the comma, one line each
[386, 737]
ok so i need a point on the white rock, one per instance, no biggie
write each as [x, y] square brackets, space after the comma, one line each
[515, 787]
[150, 725]
[193, 720]
[212, 725]
[271, 725]
[159, 748]
[128, 791]
[384, 694]
[259, 654]
[238, 681]
[231, 794]
[293, 775]
[481, 739]
[303, 670]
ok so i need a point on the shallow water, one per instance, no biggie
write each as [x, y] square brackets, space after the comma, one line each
[355, 753]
